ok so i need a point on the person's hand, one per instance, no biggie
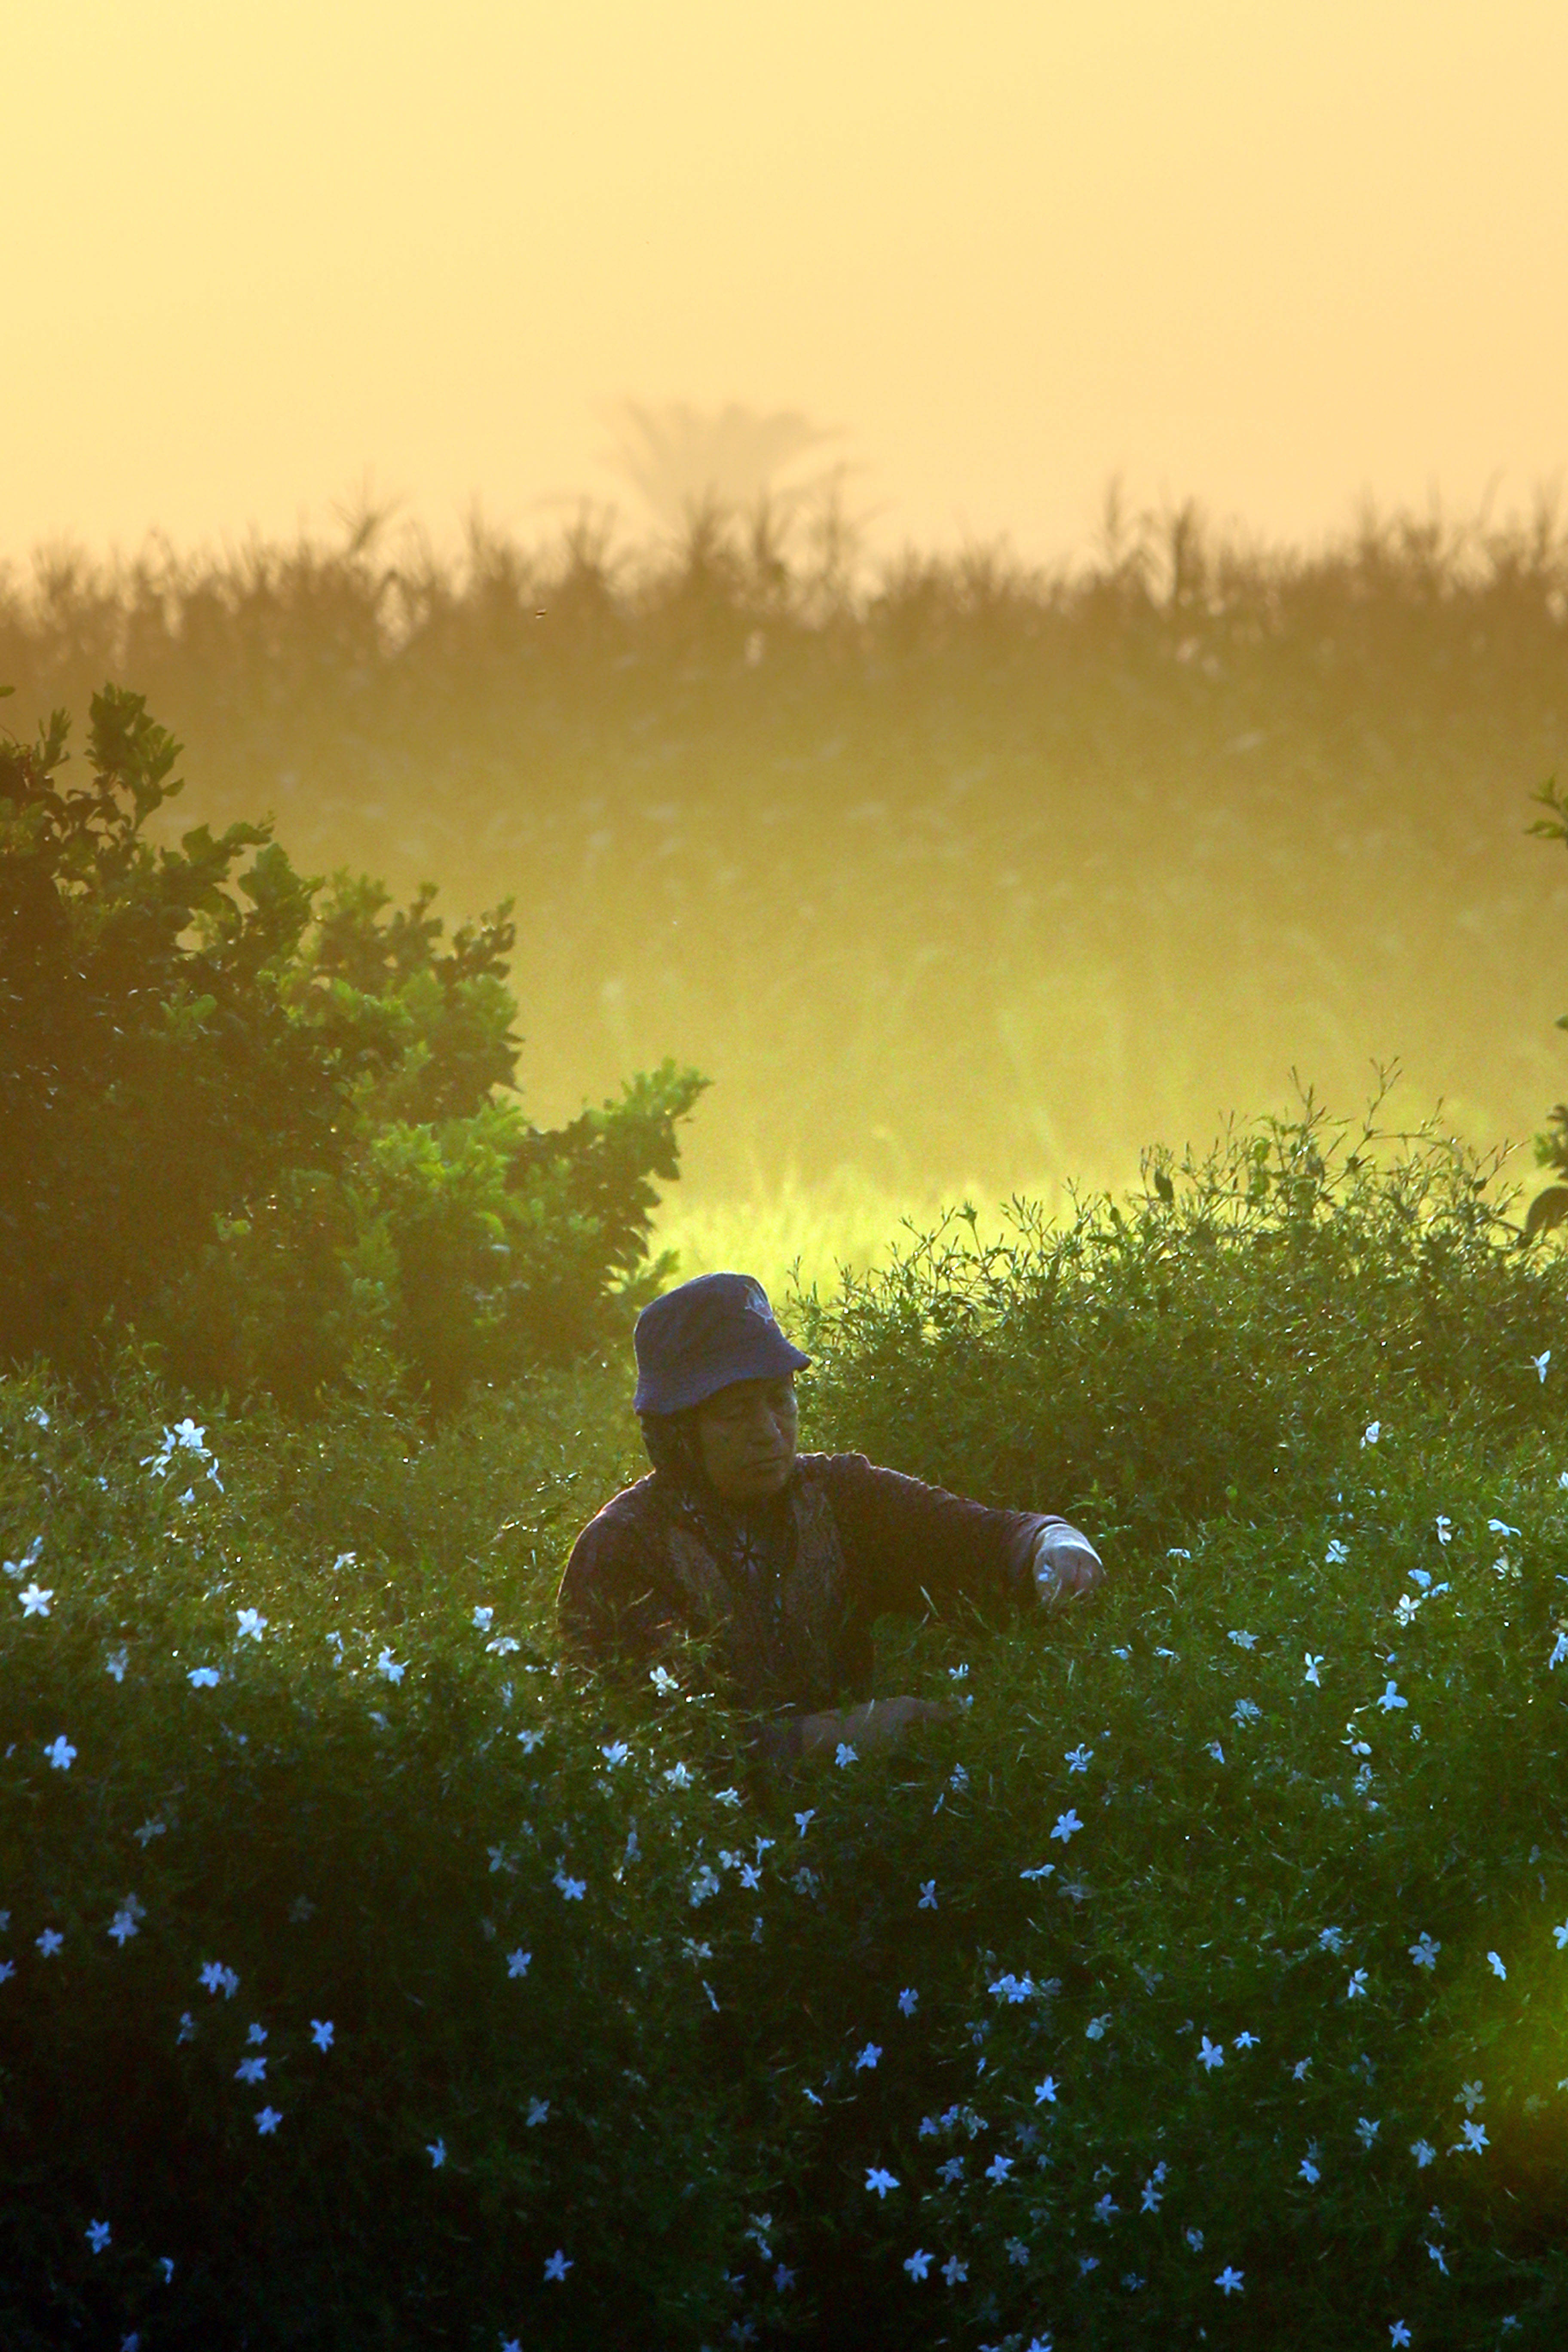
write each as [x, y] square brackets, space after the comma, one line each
[1067, 1566]
[876, 1723]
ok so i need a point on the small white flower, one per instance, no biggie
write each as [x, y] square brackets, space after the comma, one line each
[1104, 2208]
[1391, 1698]
[517, 1963]
[1494, 1962]
[1078, 1758]
[1398, 2335]
[928, 1900]
[1472, 2140]
[1312, 1665]
[538, 2113]
[1356, 1988]
[1068, 1825]
[1245, 2042]
[49, 1942]
[1211, 2055]
[482, 1618]
[1245, 1710]
[1444, 1528]
[436, 2150]
[866, 2057]
[35, 1600]
[388, 1665]
[878, 2181]
[556, 2266]
[1229, 2281]
[1559, 1648]
[98, 2234]
[1424, 2152]
[1308, 2172]
[1367, 2129]
[1541, 1363]
[573, 1889]
[267, 2121]
[252, 1625]
[998, 2168]
[321, 2033]
[1095, 2030]
[202, 1677]
[1243, 1641]
[1046, 2092]
[1216, 1751]
[663, 1681]
[907, 2001]
[954, 2272]
[61, 1753]
[1337, 1554]
[251, 2070]
[844, 1754]
[615, 1753]
[1331, 1939]
[1423, 1951]
[1372, 1433]
[1562, 1936]
[918, 2264]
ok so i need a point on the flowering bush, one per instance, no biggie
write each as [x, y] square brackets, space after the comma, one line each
[369, 1976]
[253, 1120]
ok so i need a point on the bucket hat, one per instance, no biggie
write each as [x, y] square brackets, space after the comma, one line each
[702, 1337]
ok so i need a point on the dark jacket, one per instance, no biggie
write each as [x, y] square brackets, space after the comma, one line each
[788, 1589]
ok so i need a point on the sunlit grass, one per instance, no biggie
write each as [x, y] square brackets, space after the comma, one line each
[803, 1237]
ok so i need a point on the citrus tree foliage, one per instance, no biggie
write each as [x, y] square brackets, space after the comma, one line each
[261, 1120]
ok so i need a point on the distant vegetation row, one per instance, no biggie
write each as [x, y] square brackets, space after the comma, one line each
[948, 869]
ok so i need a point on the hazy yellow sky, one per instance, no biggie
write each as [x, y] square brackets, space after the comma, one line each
[1273, 253]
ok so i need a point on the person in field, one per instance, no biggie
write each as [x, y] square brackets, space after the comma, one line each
[784, 1559]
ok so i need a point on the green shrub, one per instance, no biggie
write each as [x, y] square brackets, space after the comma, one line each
[1260, 1864]
[255, 1120]
[1216, 1348]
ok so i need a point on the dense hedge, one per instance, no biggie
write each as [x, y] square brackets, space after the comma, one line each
[1200, 1980]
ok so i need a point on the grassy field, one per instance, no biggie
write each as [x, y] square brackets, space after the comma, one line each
[370, 1977]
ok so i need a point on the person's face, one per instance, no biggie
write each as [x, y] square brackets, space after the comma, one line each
[746, 1434]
